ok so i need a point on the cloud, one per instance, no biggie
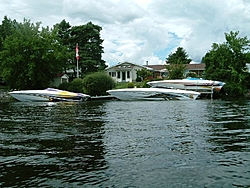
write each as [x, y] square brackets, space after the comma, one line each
[143, 30]
[106, 11]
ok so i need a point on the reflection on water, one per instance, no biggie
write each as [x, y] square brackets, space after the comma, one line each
[230, 127]
[44, 144]
[205, 143]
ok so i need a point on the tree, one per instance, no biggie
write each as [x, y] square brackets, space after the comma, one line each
[144, 73]
[175, 71]
[227, 62]
[89, 44]
[192, 74]
[179, 57]
[31, 56]
[176, 63]
[41, 53]
[90, 47]
[5, 31]
[63, 31]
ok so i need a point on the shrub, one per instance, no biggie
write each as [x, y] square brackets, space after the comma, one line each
[97, 83]
[75, 86]
[131, 85]
[191, 74]
[145, 85]
[138, 79]
[64, 86]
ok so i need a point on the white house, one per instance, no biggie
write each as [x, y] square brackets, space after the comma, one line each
[124, 72]
[60, 78]
[248, 67]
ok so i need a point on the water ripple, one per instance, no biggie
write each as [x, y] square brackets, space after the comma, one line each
[205, 143]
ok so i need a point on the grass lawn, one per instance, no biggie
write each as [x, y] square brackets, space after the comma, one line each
[122, 85]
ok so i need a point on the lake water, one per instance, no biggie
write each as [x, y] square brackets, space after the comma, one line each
[202, 143]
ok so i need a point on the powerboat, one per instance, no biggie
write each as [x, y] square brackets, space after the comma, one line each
[49, 94]
[193, 84]
[153, 94]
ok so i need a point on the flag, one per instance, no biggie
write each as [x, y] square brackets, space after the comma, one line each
[77, 54]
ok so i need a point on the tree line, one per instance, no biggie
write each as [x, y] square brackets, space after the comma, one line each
[31, 56]
[224, 62]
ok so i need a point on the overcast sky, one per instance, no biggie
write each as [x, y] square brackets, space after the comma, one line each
[142, 30]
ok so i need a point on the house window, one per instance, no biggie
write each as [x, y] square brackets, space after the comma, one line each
[118, 75]
[128, 74]
[113, 74]
[64, 80]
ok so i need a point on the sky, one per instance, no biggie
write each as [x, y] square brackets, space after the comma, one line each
[140, 31]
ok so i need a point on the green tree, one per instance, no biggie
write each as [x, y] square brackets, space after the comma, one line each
[90, 47]
[179, 57]
[175, 71]
[227, 62]
[98, 83]
[176, 63]
[6, 29]
[63, 30]
[31, 56]
[144, 73]
[89, 44]
[192, 74]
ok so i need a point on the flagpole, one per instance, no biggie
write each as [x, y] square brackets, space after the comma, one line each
[77, 73]
[77, 58]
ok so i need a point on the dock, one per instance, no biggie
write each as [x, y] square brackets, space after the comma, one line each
[105, 97]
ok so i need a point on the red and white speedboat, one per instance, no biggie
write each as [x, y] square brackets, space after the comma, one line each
[192, 84]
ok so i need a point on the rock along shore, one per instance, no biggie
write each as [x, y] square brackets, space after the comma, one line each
[5, 97]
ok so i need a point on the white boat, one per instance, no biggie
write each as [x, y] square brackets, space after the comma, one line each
[153, 94]
[193, 84]
[49, 94]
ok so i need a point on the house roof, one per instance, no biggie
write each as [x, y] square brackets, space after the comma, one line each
[157, 67]
[126, 65]
[62, 75]
[160, 68]
[200, 66]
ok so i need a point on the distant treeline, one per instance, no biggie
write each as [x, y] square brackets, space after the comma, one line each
[31, 56]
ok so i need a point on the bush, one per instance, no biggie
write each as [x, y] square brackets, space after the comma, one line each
[138, 79]
[64, 86]
[75, 86]
[145, 85]
[191, 74]
[131, 85]
[98, 83]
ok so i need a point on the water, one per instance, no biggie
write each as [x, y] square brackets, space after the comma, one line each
[203, 143]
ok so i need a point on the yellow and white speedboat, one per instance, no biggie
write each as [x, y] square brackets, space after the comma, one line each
[49, 94]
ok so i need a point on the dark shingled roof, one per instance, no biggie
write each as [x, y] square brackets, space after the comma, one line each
[200, 66]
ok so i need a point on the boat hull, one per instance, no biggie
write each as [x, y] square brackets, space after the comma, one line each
[199, 85]
[47, 95]
[153, 94]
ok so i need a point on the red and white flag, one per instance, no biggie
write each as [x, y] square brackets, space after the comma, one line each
[77, 54]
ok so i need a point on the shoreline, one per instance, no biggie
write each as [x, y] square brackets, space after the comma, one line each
[5, 97]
